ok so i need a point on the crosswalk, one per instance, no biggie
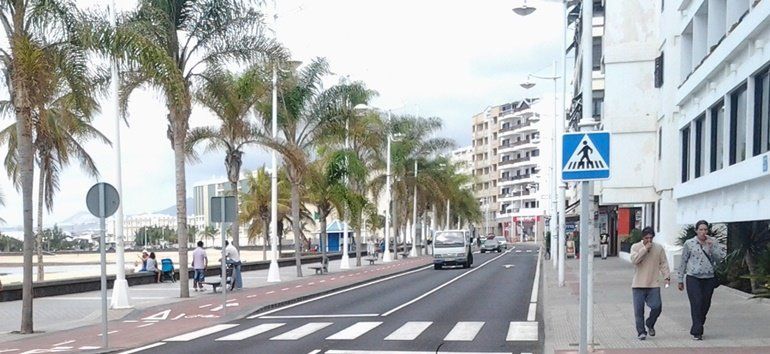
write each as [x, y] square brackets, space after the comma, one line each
[462, 331]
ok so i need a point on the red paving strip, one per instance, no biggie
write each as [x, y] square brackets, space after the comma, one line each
[712, 350]
[193, 314]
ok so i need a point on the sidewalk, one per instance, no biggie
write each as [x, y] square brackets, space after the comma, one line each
[736, 324]
[73, 322]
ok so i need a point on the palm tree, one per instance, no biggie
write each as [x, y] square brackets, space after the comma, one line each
[256, 203]
[40, 37]
[231, 98]
[190, 35]
[208, 232]
[303, 122]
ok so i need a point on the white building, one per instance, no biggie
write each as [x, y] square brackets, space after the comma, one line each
[714, 127]
[132, 224]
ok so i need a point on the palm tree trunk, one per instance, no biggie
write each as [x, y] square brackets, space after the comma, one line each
[179, 122]
[751, 264]
[39, 243]
[234, 227]
[266, 241]
[358, 243]
[322, 235]
[296, 225]
[26, 177]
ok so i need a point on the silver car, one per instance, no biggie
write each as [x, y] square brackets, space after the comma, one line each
[502, 241]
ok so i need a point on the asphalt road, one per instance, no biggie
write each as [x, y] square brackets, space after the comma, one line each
[484, 309]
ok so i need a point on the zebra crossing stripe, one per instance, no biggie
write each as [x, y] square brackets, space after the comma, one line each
[251, 332]
[409, 331]
[200, 333]
[522, 331]
[354, 331]
[464, 331]
[300, 332]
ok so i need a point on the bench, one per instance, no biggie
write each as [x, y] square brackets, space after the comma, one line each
[319, 269]
[371, 260]
[215, 282]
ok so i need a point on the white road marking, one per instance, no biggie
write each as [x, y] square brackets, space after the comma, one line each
[311, 283]
[442, 285]
[529, 251]
[464, 331]
[130, 321]
[200, 333]
[409, 331]
[231, 300]
[88, 347]
[522, 331]
[154, 345]
[354, 331]
[284, 289]
[177, 317]
[532, 311]
[251, 332]
[341, 291]
[204, 306]
[59, 349]
[315, 351]
[322, 281]
[159, 316]
[8, 350]
[63, 343]
[83, 298]
[298, 286]
[518, 251]
[270, 292]
[300, 332]
[322, 316]
[401, 352]
[251, 296]
[145, 325]
[108, 333]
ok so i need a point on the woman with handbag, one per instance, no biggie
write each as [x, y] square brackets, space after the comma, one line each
[700, 254]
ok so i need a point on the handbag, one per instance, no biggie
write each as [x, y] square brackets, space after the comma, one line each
[719, 278]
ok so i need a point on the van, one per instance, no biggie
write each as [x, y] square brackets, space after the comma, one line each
[452, 247]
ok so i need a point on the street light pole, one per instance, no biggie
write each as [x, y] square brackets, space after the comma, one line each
[386, 255]
[345, 261]
[413, 252]
[273, 274]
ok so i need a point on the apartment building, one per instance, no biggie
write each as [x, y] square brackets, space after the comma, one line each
[625, 103]
[506, 164]
[714, 127]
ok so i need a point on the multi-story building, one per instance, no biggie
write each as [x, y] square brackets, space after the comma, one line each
[506, 165]
[714, 127]
[132, 224]
[624, 103]
[205, 190]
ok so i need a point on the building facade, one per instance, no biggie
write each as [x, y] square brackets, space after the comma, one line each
[714, 130]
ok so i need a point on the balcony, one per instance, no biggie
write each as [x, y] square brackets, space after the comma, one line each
[512, 128]
[510, 162]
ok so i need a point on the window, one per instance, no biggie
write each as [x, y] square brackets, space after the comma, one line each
[660, 143]
[597, 104]
[762, 114]
[716, 144]
[738, 125]
[659, 71]
[699, 143]
[685, 154]
[536, 153]
[597, 53]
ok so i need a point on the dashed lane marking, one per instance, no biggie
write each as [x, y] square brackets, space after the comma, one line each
[154, 345]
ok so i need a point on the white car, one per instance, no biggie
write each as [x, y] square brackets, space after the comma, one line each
[502, 241]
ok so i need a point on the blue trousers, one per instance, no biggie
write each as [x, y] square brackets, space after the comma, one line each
[650, 296]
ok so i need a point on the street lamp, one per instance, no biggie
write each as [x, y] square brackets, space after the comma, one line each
[413, 252]
[554, 228]
[524, 10]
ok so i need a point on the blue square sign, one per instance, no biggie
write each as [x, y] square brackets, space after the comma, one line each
[585, 156]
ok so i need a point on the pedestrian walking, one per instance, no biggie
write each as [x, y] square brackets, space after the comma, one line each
[649, 261]
[199, 263]
[604, 244]
[699, 255]
[234, 258]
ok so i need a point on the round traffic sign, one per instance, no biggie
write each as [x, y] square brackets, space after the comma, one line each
[102, 200]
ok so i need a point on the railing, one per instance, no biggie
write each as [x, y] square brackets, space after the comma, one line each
[516, 178]
[514, 127]
[508, 162]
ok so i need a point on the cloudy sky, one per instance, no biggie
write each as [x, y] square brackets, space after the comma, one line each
[449, 59]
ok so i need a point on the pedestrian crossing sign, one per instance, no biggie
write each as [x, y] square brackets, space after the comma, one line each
[585, 156]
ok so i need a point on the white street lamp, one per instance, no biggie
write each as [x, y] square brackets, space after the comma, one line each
[524, 10]
[413, 252]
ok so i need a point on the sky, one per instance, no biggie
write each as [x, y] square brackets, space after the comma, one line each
[440, 58]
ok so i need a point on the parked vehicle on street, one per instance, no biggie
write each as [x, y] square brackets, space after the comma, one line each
[452, 247]
[502, 241]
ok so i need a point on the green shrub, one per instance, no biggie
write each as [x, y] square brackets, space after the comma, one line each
[716, 231]
[634, 237]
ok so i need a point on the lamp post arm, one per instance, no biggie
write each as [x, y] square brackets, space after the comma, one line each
[545, 77]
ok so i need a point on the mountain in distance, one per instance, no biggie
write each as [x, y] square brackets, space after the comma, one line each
[80, 218]
[171, 211]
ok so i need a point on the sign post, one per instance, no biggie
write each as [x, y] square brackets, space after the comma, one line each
[102, 201]
[586, 158]
[222, 210]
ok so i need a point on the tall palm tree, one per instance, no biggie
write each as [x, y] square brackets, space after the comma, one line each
[60, 128]
[231, 98]
[191, 35]
[38, 34]
[208, 232]
[256, 204]
[303, 122]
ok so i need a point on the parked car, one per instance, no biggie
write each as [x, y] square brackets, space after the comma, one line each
[491, 245]
[502, 241]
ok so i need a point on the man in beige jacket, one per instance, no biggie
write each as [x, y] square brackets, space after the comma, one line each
[649, 260]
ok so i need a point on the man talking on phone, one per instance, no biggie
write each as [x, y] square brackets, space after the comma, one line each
[649, 260]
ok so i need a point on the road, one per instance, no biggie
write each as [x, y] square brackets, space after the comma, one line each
[488, 308]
